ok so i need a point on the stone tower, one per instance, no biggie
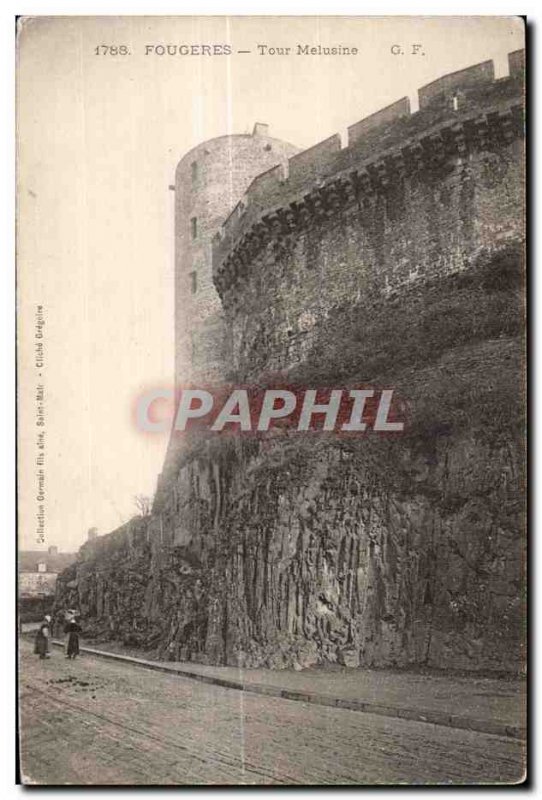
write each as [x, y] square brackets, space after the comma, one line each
[209, 182]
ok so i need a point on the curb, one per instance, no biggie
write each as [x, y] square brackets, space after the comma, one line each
[431, 717]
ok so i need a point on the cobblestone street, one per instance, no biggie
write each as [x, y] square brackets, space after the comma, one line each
[91, 721]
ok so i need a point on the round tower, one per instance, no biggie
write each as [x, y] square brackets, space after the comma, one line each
[209, 182]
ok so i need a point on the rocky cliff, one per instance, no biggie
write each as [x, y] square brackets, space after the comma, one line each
[379, 551]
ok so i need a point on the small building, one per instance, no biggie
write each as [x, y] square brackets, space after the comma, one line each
[38, 571]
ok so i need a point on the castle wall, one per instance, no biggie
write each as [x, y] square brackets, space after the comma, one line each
[388, 140]
[414, 229]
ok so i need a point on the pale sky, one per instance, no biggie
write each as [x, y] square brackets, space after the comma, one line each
[99, 140]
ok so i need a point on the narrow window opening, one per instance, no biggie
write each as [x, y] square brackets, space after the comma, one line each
[193, 282]
[194, 227]
[194, 171]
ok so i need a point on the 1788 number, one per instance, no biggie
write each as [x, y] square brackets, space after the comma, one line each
[111, 50]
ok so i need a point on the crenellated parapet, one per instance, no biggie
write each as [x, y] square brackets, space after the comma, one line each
[455, 85]
[460, 113]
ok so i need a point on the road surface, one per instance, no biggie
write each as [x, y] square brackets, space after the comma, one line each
[91, 721]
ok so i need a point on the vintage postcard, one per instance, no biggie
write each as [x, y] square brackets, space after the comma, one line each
[271, 400]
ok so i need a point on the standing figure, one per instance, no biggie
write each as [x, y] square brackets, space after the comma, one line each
[69, 616]
[41, 643]
[72, 629]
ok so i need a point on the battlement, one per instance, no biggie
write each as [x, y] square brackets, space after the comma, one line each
[516, 63]
[396, 110]
[313, 162]
[453, 110]
[455, 84]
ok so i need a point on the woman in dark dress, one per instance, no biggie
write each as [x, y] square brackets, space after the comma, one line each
[41, 644]
[72, 629]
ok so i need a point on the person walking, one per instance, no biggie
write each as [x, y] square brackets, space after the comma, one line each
[72, 629]
[43, 636]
